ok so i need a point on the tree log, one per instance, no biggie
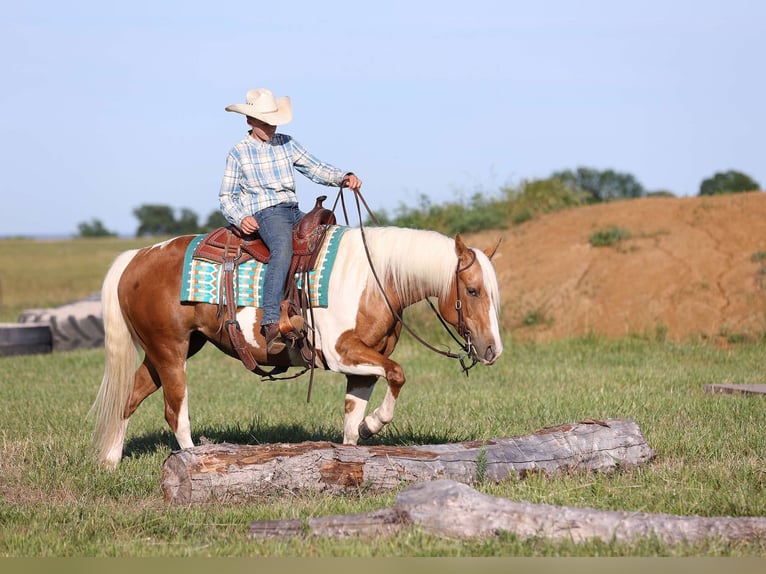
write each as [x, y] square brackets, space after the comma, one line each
[756, 389]
[218, 472]
[451, 509]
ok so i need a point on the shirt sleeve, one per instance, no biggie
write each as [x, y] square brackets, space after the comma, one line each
[314, 169]
[229, 198]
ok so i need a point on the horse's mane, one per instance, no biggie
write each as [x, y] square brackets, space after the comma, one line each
[411, 259]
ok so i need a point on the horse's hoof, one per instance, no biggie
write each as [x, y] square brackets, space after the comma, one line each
[364, 431]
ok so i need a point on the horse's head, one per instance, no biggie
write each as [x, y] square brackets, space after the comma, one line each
[473, 305]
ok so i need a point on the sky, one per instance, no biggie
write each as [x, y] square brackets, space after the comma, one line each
[107, 106]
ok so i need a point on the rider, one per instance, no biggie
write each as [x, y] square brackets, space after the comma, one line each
[258, 193]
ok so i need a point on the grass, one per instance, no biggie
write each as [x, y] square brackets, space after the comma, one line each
[40, 274]
[55, 501]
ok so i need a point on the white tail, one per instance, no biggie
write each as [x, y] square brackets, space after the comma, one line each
[122, 358]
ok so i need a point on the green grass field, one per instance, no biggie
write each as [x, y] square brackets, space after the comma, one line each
[55, 501]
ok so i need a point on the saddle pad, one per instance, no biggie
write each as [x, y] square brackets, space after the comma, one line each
[201, 279]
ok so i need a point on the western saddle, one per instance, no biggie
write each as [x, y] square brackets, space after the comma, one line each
[230, 247]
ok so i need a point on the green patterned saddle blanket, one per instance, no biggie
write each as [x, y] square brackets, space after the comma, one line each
[202, 279]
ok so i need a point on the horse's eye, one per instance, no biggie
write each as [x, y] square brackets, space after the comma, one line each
[472, 291]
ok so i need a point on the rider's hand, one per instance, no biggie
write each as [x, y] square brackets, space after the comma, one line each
[249, 225]
[352, 182]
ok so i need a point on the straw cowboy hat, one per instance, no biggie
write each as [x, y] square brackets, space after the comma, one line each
[262, 105]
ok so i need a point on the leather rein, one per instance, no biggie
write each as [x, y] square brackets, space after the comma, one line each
[468, 348]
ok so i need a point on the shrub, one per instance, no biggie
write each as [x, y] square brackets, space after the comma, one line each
[541, 196]
[609, 236]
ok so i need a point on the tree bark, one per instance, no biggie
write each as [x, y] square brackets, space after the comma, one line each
[217, 472]
[455, 510]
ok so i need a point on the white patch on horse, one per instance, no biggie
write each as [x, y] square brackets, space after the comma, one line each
[246, 317]
[490, 281]
[162, 244]
[183, 432]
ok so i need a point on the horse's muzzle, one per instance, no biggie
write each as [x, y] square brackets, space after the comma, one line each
[490, 355]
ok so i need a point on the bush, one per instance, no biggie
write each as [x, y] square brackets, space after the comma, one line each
[541, 196]
[478, 213]
[609, 236]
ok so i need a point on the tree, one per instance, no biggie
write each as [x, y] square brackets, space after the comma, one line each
[188, 223]
[602, 185]
[155, 220]
[94, 228]
[215, 220]
[728, 182]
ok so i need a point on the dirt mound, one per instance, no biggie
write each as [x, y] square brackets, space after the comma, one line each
[691, 268]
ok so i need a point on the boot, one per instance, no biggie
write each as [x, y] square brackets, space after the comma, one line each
[274, 342]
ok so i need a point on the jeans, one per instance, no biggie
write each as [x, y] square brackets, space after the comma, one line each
[276, 229]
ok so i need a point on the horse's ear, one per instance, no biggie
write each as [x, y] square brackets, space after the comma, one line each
[490, 251]
[460, 247]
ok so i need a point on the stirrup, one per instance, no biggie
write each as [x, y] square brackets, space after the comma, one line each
[290, 325]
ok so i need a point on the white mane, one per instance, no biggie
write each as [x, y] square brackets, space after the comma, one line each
[411, 259]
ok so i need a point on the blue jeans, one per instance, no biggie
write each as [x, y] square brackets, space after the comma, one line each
[276, 229]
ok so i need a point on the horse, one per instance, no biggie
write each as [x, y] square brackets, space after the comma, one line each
[378, 272]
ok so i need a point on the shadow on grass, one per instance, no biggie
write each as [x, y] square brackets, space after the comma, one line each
[258, 434]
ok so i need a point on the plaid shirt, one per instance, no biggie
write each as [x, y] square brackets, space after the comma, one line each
[260, 174]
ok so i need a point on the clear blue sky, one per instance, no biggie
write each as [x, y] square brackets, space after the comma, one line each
[106, 106]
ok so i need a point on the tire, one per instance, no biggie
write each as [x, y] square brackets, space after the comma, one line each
[77, 325]
[27, 339]
[33, 316]
[72, 331]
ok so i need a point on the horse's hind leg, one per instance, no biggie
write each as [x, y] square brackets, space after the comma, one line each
[147, 381]
[173, 377]
[144, 384]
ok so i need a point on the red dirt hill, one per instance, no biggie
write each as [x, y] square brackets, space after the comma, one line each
[692, 268]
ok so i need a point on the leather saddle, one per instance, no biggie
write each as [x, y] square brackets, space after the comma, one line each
[230, 243]
[230, 247]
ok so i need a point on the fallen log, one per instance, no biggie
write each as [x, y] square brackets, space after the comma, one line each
[756, 389]
[451, 509]
[224, 472]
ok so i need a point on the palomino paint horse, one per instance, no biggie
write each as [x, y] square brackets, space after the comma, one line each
[354, 334]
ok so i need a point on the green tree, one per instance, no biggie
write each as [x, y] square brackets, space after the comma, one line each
[94, 228]
[155, 220]
[728, 182]
[214, 221]
[605, 185]
[187, 224]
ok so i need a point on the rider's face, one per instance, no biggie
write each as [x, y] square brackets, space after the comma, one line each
[261, 130]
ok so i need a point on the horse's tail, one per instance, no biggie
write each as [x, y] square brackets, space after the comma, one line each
[119, 371]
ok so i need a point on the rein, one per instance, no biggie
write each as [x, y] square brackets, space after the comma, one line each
[469, 351]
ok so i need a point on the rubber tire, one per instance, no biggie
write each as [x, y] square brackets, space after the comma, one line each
[77, 325]
[29, 339]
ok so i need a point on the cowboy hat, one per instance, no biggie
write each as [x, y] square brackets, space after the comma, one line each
[262, 105]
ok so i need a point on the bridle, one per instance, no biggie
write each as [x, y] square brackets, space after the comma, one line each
[468, 349]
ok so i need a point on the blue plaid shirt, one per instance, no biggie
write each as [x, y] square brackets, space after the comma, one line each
[260, 174]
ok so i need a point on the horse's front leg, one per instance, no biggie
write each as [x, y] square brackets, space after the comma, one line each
[358, 391]
[355, 352]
